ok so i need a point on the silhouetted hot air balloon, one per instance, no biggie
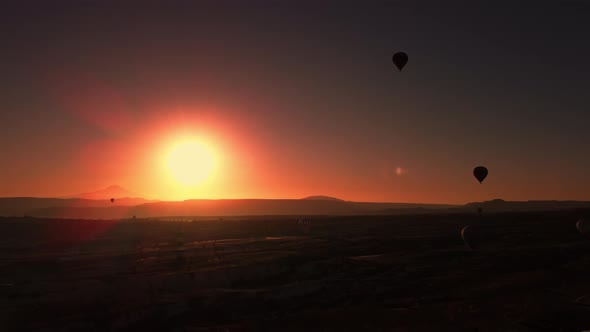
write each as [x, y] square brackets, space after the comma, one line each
[112, 200]
[305, 225]
[400, 59]
[480, 173]
[469, 237]
[583, 226]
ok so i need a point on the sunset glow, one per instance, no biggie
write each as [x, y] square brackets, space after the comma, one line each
[190, 162]
[294, 165]
[206, 103]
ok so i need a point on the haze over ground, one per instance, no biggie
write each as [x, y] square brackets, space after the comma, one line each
[292, 99]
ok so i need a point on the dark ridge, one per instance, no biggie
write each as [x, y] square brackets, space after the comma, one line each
[323, 198]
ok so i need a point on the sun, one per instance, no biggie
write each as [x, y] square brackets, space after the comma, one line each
[190, 162]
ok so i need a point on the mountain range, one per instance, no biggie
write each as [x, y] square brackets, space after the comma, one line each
[113, 191]
[97, 205]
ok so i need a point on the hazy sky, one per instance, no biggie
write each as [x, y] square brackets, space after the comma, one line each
[297, 98]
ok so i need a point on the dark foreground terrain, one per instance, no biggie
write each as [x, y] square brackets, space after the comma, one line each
[377, 273]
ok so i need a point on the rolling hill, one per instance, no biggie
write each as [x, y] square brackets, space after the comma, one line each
[309, 206]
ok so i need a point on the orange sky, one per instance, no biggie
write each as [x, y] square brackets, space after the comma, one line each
[251, 162]
[297, 99]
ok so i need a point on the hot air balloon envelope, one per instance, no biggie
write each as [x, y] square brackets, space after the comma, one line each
[480, 173]
[305, 225]
[469, 237]
[112, 200]
[400, 59]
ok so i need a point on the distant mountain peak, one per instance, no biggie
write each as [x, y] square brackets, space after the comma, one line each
[490, 202]
[112, 191]
[322, 198]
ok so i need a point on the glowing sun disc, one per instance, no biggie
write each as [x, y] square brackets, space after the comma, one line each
[190, 162]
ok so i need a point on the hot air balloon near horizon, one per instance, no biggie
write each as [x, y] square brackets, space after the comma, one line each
[112, 200]
[400, 59]
[469, 237]
[305, 225]
[480, 173]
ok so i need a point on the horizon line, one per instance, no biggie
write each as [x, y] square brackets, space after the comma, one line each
[330, 199]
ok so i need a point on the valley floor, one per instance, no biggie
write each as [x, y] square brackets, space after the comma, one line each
[372, 273]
